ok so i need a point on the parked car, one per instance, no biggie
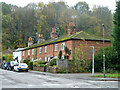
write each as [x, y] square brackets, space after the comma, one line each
[2, 65]
[11, 65]
[5, 66]
[21, 67]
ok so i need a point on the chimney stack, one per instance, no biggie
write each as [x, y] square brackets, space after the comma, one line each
[71, 28]
[53, 34]
[30, 42]
[40, 39]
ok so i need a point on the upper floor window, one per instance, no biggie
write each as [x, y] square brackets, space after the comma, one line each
[56, 47]
[32, 51]
[63, 46]
[45, 49]
[28, 52]
[40, 49]
[23, 53]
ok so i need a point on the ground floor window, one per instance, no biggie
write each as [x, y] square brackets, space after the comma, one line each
[45, 59]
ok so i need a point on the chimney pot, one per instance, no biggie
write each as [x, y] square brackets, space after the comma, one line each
[53, 33]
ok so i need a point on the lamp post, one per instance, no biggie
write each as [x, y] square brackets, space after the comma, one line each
[103, 52]
[92, 60]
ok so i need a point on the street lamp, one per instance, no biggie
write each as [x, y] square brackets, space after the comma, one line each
[92, 60]
[103, 52]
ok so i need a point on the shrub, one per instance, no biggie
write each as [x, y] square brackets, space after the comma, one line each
[60, 54]
[53, 62]
[30, 64]
[8, 57]
[27, 60]
[42, 65]
[76, 66]
[35, 64]
[40, 62]
[111, 61]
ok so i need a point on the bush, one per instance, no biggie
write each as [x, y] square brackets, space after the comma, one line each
[60, 54]
[35, 64]
[8, 57]
[42, 65]
[30, 64]
[27, 60]
[53, 62]
[111, 61]
[40, 62]
[77, 66]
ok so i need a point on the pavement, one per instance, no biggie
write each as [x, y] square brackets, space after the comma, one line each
[85, 76]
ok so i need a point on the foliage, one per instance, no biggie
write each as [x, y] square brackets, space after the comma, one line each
[35, 64]
[8, 57]
[42, 65]
[60, 54]
[79, 53]
[30, 64]
[76, 66]
[116, 31]
[19, 23]
[111, 61]
[80, 66]
[53, 62]
[67, 51]
[27, 60]
[38, 63]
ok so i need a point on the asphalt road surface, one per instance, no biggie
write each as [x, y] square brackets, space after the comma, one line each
[12, 79]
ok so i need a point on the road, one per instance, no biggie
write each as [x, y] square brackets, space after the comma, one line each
[30, 79]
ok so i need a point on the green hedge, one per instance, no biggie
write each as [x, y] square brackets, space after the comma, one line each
[111, 61]
[53, 62]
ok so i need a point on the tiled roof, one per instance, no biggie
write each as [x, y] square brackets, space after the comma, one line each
[78, 35]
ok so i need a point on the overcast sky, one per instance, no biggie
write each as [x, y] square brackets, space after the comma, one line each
[109, 3]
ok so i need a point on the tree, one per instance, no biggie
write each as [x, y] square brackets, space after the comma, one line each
[82, 7]
[116, 29]
[104, 15]
[5, 8]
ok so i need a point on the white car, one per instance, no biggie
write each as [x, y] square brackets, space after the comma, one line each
[21, 67]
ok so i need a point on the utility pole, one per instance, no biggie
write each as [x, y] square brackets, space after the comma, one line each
[92, 60]
[103, 52]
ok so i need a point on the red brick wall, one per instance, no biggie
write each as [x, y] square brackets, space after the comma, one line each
[26, 54]
[49, 52]
[84, 47]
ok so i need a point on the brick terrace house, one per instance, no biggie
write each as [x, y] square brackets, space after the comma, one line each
[45, 50]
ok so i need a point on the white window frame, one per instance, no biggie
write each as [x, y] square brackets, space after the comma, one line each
[63, 46]
[45, 59]
[40, 50]
[56, 47]
[48, 59]
[28, 52]
[45, 49]
[62, 57]
[56, 57]
[40, 58]
[32, 51]
[23, 53]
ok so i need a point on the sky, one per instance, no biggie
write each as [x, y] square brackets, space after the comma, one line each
[109, 3]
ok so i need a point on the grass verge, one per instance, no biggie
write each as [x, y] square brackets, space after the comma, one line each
[117, 75]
